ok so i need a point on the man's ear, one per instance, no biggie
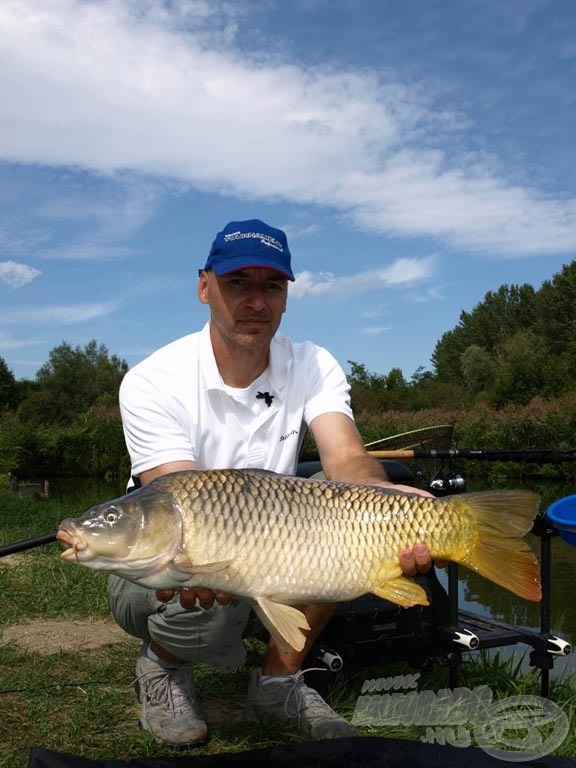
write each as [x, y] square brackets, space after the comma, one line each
[203, 288]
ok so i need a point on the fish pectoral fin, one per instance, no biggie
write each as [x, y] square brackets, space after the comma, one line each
[185, 565]
[402, 591]
[283, 622]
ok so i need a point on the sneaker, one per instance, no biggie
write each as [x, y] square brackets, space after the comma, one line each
[291, 701]
[170, 711]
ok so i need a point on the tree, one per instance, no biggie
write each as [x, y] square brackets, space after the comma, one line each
[477, 366]
[521, 371]
[76, 378]
[8, 387]
[421, 376]
[556, 318]
[447, 355]
[498, 317]
[367, 390]
[358, 374]
[395, 380]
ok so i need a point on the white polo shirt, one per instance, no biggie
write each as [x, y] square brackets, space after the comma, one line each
[176, 407]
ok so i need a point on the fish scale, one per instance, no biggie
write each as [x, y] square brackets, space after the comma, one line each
[281, 541]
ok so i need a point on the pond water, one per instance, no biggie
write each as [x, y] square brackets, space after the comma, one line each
[476, 593]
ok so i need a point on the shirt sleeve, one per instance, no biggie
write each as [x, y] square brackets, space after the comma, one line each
[154, 424]
[328, 388]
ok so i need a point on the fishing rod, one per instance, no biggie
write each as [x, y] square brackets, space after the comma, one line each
[24, 544]
[551, 456]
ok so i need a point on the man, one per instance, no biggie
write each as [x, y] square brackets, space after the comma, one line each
[234, 395]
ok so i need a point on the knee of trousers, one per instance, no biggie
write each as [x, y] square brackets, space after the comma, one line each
[131, 605]
[212, 637]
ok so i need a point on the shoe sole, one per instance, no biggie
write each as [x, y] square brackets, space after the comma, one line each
[180, 745]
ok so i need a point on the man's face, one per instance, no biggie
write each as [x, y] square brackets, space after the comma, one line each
[246, 306]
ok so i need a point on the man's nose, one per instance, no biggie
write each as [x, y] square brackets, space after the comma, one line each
[256, 297]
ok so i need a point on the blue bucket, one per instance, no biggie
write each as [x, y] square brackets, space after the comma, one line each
[562, 514]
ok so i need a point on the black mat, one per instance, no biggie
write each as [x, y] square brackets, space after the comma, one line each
[364, 752]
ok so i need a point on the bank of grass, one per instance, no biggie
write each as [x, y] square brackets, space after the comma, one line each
[83, 703]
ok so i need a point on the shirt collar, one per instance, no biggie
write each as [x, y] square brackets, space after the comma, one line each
[280, 363]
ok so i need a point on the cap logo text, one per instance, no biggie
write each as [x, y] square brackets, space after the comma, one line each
[264, 239]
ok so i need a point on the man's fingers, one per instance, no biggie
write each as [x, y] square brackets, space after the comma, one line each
[423, 559]
[408, 562]
[222, 597]
[164, 595]
[412, 489]
[415, 560]
[190, 596]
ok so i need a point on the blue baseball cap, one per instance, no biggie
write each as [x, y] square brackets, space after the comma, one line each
[245, 244]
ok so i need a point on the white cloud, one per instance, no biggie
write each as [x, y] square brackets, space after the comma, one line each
[402, 272]
[58, 315]
[376, 330]
[9, 342]
[16, 275]
[165, 90]
[293, 232]
[114, 211]
[468, 207]
[379, 311]
[16, 242]
[86, 252]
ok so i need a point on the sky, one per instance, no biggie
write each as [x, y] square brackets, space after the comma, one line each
[418, 153]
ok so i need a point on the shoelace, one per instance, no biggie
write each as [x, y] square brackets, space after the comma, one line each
[297, 685]
[172, 686]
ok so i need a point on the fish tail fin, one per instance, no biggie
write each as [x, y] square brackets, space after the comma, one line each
[501, 519]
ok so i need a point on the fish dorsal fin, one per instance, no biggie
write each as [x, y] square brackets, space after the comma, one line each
[183, 563]
[283, 622]
[402, 591]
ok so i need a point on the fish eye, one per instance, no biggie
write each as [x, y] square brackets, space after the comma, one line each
[111, 515]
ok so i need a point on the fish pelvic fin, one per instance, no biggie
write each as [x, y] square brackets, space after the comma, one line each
[284, 622]
[402, 591]
[498, 552]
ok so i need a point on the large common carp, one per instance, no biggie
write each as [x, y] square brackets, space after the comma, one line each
[281, 541]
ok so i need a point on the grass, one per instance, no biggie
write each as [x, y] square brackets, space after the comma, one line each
[83, 703]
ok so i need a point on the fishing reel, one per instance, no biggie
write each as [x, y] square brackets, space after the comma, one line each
[443, 485]
[330, 658]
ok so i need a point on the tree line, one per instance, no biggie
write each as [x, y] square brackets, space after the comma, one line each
[65, 421]
[516, 346]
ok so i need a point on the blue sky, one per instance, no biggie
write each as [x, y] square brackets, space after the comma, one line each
[419, 153]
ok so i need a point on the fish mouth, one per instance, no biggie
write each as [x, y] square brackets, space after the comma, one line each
[71, 540]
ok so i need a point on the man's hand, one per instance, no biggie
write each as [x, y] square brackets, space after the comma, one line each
[189, 596]
[405, 489]
[415, 560]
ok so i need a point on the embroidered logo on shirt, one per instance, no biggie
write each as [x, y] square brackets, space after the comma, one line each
[289, 434]
[266, 396]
